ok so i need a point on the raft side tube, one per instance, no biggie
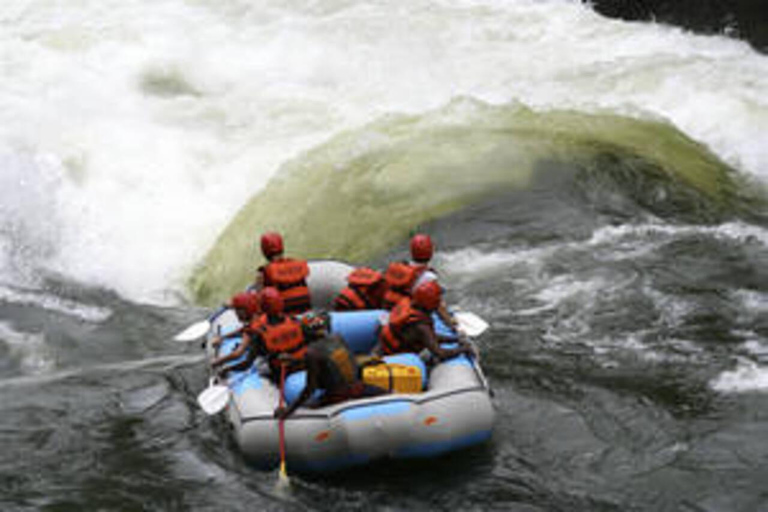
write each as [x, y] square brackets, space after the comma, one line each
[454, 412]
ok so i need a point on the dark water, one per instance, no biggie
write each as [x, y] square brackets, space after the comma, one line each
[613, 310]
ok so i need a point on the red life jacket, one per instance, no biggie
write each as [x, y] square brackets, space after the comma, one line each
[289, 276]
[357, 295]
[351, 299]
[284, 337]
[402, 315]
[255, 324]
[363, 276]
[400, 277]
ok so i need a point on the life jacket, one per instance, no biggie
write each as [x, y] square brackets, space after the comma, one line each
[254, 325]
[400, 278]
[289, 276]
[253, 328]
[357, 295]
[402, 315]
[283, 337]
[339, 373]
[351, 299]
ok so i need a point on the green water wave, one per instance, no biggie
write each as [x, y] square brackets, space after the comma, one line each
[363, 191]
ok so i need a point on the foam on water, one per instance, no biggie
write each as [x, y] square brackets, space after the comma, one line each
[645, 235]
[145, 125]
[626, 241]
[54, 303]
[748, 376]
[35, 357]
[573, 305]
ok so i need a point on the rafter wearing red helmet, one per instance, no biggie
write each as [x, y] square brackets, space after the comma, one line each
[288, 275]
[246, 306]
[275, 335]
[403, 277]
[410, 327]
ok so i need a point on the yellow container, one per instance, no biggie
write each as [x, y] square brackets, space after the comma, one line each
[397, 378]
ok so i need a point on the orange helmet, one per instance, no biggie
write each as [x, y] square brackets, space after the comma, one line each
[271, 301]
[421, 248]
[271, 244]
[247, 301]
[428, 295]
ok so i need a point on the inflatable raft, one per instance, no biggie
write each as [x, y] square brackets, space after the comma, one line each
[453, 411]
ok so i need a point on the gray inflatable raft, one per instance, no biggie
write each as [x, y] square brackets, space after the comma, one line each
[454, 411]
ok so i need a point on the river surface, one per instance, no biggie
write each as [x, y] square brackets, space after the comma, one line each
[626, 285]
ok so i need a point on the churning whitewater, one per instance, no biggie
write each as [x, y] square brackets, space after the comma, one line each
[133, 131]
[596, 189]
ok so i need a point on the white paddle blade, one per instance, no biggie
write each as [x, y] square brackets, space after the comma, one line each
[213, 399]
[194, 331]
[471, 324]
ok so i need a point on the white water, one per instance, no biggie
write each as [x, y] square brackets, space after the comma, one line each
[131, 131]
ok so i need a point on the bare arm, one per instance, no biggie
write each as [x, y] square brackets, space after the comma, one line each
[238, 352]
[217, 340]
[446, 317]
[430, 341]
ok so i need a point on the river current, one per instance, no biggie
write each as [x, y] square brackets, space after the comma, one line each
[595, 187]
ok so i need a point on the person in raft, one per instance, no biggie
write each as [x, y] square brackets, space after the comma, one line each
[331, 367]
[410, 327]
[247, 307]
[403, 277]
[288, 275]
[278, 337]
[365, 290]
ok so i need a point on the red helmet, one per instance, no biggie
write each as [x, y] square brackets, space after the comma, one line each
[271, 244]
[248, 301]
[428, 295]
[421, 248]
[271, 301]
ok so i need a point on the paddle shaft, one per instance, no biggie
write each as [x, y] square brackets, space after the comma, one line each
[281, 423]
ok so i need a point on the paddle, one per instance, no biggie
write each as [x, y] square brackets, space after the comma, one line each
[283, 480]
[214, 398]
[470, 324]
[201, 328]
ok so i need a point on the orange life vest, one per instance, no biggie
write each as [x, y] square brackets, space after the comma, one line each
[400, 278]
[357, 295]
[285, 337]
[255, 324]
[402, 315]
[289, 276]
[351, 299]
[363, 276]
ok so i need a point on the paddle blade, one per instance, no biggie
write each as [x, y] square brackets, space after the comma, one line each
[194, 331]
[283, 480]
[213, 399]
[470, 323]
